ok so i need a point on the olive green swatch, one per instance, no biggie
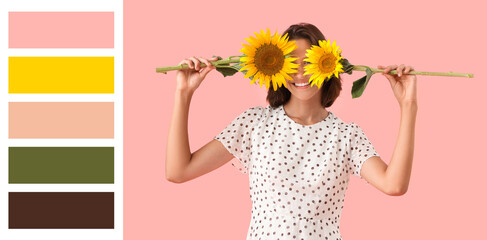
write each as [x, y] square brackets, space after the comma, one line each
[61, 164]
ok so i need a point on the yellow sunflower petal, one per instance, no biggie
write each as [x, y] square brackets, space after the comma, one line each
[264, 81]
[246, 67]
[252, 81]
[285, 84]
[267, 80]
[281, 79]
[268, 36]
[285, 36]
[291, 59]
[322, 44]
[253, 41]
[246, 59]
[320, 83]
[309, 73]
[248, 52]
[260, 37]
[275, 38]
[286, 76]
[258, 78]
[290, 67]
[250, 72]
[247, 46]
[313, 76]
[290, 46]
[280, 42]
[274, 84]
[320, 80]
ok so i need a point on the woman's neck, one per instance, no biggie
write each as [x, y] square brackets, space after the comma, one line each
[305, 112]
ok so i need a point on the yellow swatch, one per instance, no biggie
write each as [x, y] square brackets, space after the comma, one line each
[61, 74]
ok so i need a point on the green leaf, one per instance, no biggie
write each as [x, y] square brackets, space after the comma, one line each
[347, 67]
[226, 69]
[359, 85]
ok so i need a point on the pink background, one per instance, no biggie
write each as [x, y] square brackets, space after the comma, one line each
[446, 195]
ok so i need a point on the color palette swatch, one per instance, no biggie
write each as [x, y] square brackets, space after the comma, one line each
[61, 30]
[61, 74]
[60, 164]
[61, 119]
[61, 210]
[65, 129]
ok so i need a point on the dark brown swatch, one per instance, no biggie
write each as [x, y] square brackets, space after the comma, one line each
[61, 210]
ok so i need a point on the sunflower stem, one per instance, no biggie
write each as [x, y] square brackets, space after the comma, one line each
[214, 63]
[239, 56]
[393, 72]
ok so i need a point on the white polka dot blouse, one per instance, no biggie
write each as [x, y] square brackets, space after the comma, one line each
[298, 174]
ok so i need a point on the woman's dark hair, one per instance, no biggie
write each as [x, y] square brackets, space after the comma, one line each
[330, 89]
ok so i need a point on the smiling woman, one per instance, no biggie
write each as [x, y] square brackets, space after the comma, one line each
[300, 86]
[299, 156]
[305, 36]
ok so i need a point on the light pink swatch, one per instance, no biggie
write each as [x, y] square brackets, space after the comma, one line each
[61, 29]
[60, 119]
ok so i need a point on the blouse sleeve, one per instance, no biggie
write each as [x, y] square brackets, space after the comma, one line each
[237, 137]
[361, 149]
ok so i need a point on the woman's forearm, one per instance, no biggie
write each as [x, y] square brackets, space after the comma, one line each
[399, 169]
[178, 153]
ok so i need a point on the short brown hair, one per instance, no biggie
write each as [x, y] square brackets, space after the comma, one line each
[330, 89]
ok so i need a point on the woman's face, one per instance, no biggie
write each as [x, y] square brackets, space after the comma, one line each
[300, 87]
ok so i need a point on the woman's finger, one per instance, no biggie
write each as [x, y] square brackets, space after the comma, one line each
[407, 69]
[389, 68]
[400, 69]
[189, 62]
[208, 64]
[196, 63]
[412, 68]
[205, 71]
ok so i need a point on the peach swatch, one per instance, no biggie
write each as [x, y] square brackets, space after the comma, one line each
[61, 119]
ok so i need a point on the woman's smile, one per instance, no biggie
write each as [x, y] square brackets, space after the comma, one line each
[301, 85]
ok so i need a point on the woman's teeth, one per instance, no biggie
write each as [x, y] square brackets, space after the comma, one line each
[301, 84]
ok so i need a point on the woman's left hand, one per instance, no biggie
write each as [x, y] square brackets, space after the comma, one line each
[403, 84]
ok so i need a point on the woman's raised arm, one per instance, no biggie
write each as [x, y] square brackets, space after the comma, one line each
[394, 178]
[181, 164]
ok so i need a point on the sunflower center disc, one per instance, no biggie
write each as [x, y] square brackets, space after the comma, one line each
[327, 62]
[269, 59]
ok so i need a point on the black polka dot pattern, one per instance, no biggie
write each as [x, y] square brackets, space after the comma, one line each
[298, 174]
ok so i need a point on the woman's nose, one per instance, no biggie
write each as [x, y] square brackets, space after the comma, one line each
[300, 74]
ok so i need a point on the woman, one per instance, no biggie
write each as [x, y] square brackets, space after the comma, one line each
[298, 154]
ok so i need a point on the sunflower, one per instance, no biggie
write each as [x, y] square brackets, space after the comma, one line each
[325, 62]
[266, 59]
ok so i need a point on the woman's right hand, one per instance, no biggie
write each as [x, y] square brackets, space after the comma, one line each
[191, 78]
